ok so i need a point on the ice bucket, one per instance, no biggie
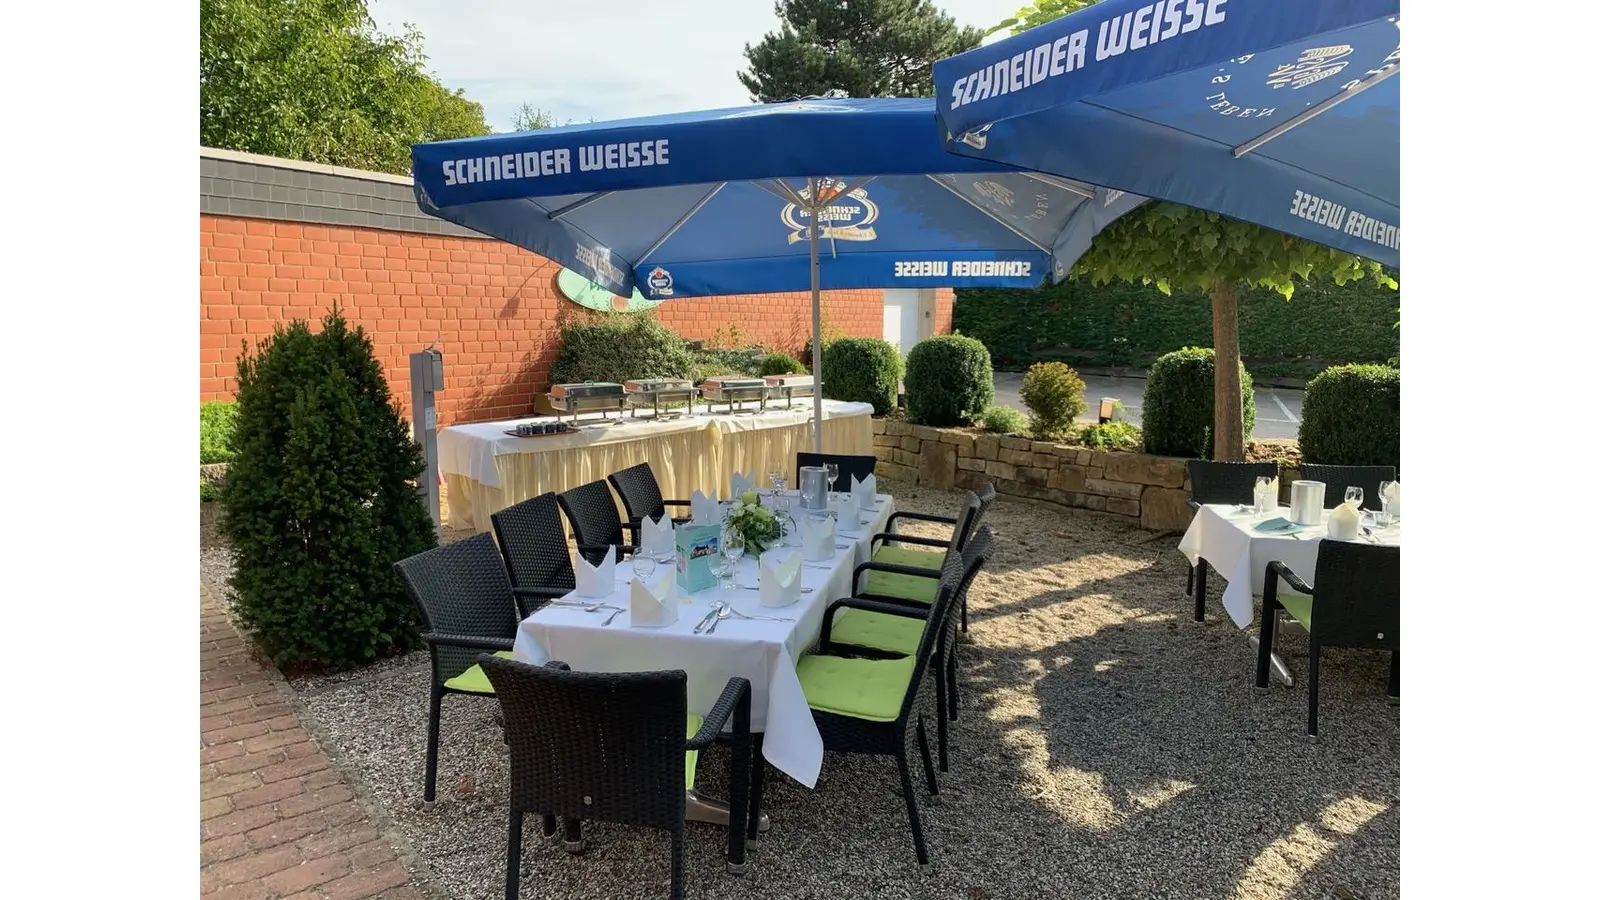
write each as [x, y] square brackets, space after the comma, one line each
[813, 488]
[1305, 502]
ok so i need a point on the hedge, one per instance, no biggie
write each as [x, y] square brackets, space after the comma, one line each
[1351, 417]
[615, 347]
[1128, 324]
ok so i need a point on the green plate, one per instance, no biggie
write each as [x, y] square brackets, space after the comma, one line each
[1279, 525]
[589, 295]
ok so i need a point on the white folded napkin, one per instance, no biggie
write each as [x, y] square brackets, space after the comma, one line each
[704, 509]
[656, 539]
[652, 605]
[816, 533]
[742, 483]
[1344, 523]
[595, 582]
[850, 511]
[1394, 499]
[780, 584]
[867, 488]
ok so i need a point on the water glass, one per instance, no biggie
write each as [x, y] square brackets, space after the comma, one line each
[1354, 495]
[1263, 494]
[733, 548]
[778, 482]
[1385, 494]
[644, 568]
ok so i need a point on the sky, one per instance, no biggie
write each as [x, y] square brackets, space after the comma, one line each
[603, 59]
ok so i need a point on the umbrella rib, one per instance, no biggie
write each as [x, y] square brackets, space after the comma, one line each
[996, 219]
[576, 205]
[1065, 185]
[1283, 128]
[782, 191]
[680, 223]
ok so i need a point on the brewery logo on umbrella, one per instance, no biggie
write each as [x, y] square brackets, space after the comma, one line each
[846, 218]
[1240, 90]
[660, 282]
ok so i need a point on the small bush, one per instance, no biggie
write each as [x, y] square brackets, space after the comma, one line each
[1351, 417]
[949, 381]
[217, 423]
[1178, 403]
[1002, 420]
[615, 347]
[1111, 436]
[1053, 394]
[864, 370]
[781, 364]
[320, 501]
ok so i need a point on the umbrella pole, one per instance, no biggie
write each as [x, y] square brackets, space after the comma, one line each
[816, 319]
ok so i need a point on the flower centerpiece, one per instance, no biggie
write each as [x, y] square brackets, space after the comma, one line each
[754, 522]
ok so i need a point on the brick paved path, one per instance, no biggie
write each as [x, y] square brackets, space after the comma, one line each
[276, 818]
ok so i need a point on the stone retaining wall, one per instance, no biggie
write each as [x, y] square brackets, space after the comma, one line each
[1153, 491]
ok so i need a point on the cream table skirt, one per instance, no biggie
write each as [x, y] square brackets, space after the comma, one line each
[487, 470]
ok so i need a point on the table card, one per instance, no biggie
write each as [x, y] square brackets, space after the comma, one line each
[698, 545]
[596, 582]
[650, 605]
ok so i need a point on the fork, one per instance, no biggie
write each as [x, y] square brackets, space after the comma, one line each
[614, 613]
[739, 615]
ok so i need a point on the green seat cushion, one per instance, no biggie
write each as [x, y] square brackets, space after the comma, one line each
[879, 631]
[917, 588]
[871, 689]
[1297, 605]
[473, 680]
[691, 757]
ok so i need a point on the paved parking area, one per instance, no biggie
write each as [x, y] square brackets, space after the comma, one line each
[1277, 409]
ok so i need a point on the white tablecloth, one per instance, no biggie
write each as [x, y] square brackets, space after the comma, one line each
[764, 652]
[486, 470]
[1225, 537]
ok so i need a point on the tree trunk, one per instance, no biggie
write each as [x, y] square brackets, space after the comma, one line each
[1227, 430]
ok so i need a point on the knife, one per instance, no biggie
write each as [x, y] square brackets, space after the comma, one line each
[706, 621]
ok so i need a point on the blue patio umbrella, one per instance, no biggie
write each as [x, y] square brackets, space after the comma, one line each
[1285, 113]
[724, 201]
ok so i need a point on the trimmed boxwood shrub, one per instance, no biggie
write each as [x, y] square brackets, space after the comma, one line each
[863, 370]
[781, 364]
[321, 501]
[949, 381]
[1179, 406]
[1351, 417]
[1053, 393]
[1002, 420]
[616, 347]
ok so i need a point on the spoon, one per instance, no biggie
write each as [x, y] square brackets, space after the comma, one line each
[723, 611]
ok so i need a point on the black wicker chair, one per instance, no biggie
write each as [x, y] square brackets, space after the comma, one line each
[596, 526]
[467, 608]
[1337, 478]
[1219, 482]
[1356, 603]
[891, 554]
[534, 544]
[611, 748]
[868, 705]
[849, 466]
[641, 496]
[878, 634]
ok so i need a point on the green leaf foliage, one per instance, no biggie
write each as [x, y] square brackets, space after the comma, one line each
[866, 48]
[1043, 11]
[217, 422]
[615, 347]
[315, 80]
[863, 370]
[1112, 436]
[1121, 324]
[781, 364]
[1003, 420]
[1053, 394]
[321, 501]
[1351, 417]
[949, 381]
[1179, 403]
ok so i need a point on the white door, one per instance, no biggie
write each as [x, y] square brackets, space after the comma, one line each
[901, 318]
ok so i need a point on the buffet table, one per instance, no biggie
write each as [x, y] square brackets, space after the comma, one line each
[485, 469]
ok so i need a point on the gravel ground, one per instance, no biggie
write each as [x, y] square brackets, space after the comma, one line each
[1107, 747]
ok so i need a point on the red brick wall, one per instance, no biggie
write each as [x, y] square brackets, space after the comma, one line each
[492, 305]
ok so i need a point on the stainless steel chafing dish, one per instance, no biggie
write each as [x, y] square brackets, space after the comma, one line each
[574, 400]
[791, 386]
[652, 392]
[734, 391]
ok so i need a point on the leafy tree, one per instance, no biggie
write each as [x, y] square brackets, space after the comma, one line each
[321, 500]
[866, 48]
[1176, 246]
[531, 118]
[315, 80]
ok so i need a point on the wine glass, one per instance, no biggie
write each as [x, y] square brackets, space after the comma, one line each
[1263, 493]
[1385, 494]
[1354, 495]
[644, 567]
[776, 478]
[733, 551]
[833, 479]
